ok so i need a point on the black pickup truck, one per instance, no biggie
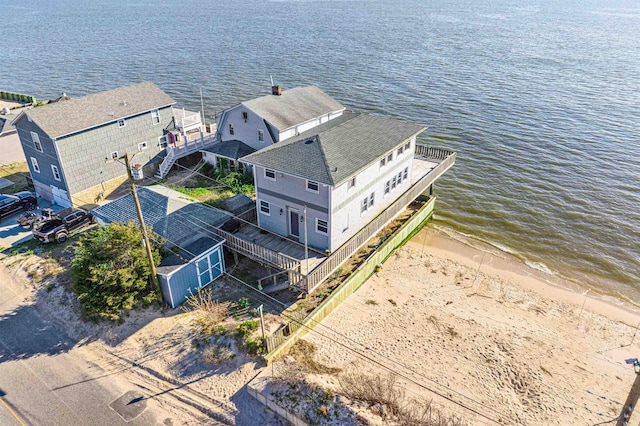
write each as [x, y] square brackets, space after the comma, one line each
[58, 229]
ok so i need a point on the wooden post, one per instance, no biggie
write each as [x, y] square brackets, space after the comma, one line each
[262, 323]
[632, 400]
[143, 228]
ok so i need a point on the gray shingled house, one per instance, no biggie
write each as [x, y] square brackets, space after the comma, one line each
[70, 144]
[327, 183]
[187, 226]
[256, 124]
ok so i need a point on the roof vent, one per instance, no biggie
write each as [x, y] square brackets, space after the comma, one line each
[334, 170]
[124, 103]
[276, 90]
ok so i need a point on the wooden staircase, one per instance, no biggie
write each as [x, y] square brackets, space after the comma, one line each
[180, 151]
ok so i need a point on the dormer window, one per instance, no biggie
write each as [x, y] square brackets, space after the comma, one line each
[245, 116]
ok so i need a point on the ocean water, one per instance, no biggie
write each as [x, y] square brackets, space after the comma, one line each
[540, 99]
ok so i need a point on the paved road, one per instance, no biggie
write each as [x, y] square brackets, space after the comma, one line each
[44, 380]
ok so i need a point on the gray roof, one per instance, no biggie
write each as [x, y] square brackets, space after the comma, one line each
[338, 149]
[233, 149]
[239, 203]
[187, 253]
[294, 106]
[76, 114]
[172, 215]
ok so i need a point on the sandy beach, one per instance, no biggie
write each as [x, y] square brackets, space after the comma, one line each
[484, 336]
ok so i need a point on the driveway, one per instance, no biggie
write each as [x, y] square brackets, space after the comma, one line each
[45, 380]
[11, 234]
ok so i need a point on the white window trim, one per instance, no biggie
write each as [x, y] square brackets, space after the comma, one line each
[407, 146]
[383, 162]
[34, 163]
[364, 205]
[387, 188]
[155, 116]
[142, 146]
[122, 123]
[260, 135]
[326, 226]
[390, 157]
[315, 191]
[351, 183]
[163, 140]
[232, 129]
[36, 141]
[270, 178]
[405, 174]
[372, 199]
[268, 207]
[55, 171]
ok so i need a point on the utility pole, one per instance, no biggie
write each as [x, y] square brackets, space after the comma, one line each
[632, 400]
[143, 228]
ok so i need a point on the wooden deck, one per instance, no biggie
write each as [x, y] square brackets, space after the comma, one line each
[280, 244]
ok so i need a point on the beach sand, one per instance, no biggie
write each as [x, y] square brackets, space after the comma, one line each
[484, 336]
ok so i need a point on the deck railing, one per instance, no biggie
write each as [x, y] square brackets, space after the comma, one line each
[329, 265]
[273, 258]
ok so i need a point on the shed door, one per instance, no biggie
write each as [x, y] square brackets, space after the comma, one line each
[209, 267]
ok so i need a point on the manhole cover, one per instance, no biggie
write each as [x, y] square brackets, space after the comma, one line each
[130, 405]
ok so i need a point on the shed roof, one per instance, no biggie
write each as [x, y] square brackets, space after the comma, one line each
[187, 254]
[294, 106]
[232, 149]
[336, 150]
[76, 114]
[172, 215]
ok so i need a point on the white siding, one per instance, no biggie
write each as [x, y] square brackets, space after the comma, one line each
[346, 217]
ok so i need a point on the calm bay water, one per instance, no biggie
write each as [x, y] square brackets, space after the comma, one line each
[540, 100]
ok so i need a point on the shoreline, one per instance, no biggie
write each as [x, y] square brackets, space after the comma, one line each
[486, 258]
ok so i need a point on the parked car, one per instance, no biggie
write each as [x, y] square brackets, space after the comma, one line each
[10, 204]
[58, 229]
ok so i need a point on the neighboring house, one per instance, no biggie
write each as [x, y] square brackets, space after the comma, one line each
[186, 226]
[327, 183]
[261, 122]
[71, 145]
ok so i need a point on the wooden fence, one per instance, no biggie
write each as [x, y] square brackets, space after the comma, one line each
[337, 258]
[298, 326]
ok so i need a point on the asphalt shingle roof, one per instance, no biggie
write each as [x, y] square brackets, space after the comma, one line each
[231, 149]
[170, 214]
[76, 114]
[294, 106]
[338, 149]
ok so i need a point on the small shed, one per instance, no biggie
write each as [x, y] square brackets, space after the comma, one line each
[190, 269]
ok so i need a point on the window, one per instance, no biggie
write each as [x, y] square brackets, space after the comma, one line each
[245, 116]
[406, 173]
[390, 157]
[383, 162]
[261, 135]
[351, 183]
[399, 178]
[142, 146]
[371, 199]
[269, 174]
[162, 141]
[34, 163]
[387, 187]
[114, 155]
[121, 123]
[231, 129]
[56, 173]
[400, 151]
[155, 116]
[364, 205]
[394, 182]
[265, 208]
[36, 141]
[322, 227]
[407, 146]
[312, 186]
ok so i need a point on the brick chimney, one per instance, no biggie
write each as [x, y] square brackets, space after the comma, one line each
[276, 90]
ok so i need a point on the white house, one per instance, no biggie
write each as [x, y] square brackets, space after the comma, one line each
[328, 182]
[258, 123]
